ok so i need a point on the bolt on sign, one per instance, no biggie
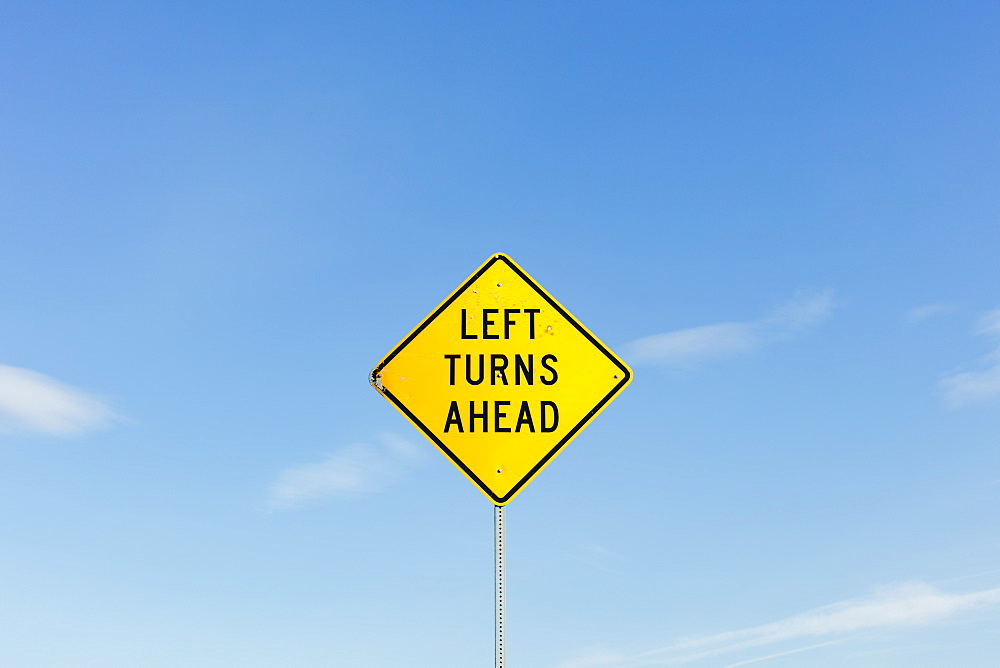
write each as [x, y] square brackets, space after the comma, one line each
[500, 377]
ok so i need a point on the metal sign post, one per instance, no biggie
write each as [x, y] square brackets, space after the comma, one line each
[498, 531]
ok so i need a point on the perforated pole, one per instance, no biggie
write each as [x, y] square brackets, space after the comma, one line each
[498, 530]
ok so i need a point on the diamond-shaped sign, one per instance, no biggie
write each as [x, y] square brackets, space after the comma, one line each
[500, 377]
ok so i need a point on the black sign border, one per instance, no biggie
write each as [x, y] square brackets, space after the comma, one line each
[501, 500]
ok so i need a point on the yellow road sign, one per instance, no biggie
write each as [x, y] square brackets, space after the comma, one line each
[500, 377]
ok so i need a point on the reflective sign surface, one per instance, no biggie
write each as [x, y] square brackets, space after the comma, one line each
[500, 377]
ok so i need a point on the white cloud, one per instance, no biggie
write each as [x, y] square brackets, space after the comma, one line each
[354, 469]
[696, 344]
[989, 323]
[776, 655]
[972, 387]
[921, 313]
[806, 309]
[600, 558]
[969, 387]
[595, 659]
[33, 402]
[904, 605]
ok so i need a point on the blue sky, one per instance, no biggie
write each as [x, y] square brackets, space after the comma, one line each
[216, 220]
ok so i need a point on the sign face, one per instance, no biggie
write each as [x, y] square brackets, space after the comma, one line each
[500, 377]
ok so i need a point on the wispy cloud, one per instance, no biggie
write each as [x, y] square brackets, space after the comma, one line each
[969, 387]
[32, 402]
[354, 469]
[797, 650]
[596, 659]
[805, 310]
[903, 605]
[921, 313]
[600, 557]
